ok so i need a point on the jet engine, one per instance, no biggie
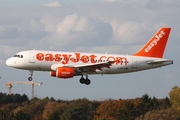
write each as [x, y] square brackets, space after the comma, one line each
[63, 72]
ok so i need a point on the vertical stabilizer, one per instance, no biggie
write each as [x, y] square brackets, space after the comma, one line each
[156, 45]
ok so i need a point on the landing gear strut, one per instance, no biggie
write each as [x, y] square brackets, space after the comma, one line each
[31, 74]
[85, 81]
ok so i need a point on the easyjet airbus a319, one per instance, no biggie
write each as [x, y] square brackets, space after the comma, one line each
[70, 64]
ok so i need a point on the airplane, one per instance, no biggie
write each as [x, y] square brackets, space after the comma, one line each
[69, 64]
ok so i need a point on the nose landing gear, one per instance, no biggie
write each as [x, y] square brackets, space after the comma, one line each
[84, 81]
[31, 74]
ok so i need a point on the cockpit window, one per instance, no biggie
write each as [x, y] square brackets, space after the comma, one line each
[16, 55]
[19, 56]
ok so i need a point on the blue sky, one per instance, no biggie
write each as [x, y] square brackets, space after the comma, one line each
[112, 26]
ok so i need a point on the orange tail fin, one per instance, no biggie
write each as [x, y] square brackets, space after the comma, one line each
[156, 45]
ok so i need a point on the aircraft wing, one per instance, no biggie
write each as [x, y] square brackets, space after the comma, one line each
[86, 68]
[91, 68]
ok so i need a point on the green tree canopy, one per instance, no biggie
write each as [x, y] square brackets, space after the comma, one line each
[175, 99]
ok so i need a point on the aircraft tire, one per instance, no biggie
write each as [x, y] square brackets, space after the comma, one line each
[87, 81]
[82, 80]
[30, 78]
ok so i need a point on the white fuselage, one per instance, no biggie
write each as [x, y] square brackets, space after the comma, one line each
[37, 60]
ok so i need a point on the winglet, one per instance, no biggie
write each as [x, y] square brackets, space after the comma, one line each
[156, 45]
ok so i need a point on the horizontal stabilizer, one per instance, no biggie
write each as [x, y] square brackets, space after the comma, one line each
[156, 62]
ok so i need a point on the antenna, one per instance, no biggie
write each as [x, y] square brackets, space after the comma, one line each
[36, 46]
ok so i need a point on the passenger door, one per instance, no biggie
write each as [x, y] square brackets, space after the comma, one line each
[32, 57]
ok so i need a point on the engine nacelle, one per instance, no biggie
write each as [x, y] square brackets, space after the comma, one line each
[63, 72]
[53, 73]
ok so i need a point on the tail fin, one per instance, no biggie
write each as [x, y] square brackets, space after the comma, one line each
[156, 45]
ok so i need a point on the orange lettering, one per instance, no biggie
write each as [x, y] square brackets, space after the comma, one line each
[101, 58]
[57, 57]
[85, 58]
[66, 58]
[120, 60]
[77, 58]
[110, 58]
[40, 56]
[49, 57]
[92, 58]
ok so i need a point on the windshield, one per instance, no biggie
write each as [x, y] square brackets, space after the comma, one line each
[19, 56]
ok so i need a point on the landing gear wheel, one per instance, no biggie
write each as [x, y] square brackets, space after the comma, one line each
[31, 74]
[30, 78]
[82, 80]
[87, 81]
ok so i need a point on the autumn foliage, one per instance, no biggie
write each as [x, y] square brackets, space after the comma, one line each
[19, 107]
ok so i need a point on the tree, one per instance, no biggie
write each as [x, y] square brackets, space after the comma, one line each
[2, 116]
[53, 116]
[7, 109]
[145, 104]
[109, 109]
[166, 114]
[80, 109]
[13, 98]
[128, 112]
[20, 115]
[53, 109]
[74, 113]
[35, 108]
[164, 103]
[175, 99]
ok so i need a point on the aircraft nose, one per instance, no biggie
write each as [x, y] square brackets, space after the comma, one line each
[8, 62]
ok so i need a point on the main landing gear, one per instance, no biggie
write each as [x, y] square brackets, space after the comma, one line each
[84, 81]
[31, 74]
